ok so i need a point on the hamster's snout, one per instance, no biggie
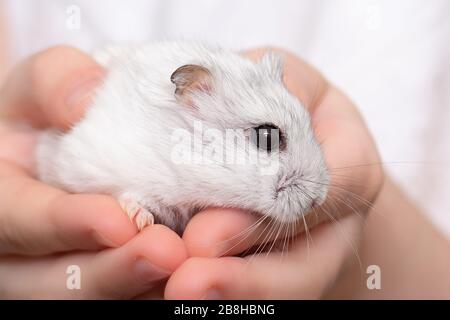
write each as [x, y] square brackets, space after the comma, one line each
[314, 200]
[296, 195]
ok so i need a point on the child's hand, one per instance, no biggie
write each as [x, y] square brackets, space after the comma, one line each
[44, 230]
[301, 271]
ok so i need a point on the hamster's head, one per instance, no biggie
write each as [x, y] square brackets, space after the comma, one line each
[260, 152]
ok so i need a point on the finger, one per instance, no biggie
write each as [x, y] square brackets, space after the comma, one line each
[119, 273]
[151, 256]
[17, 144]
[299, 274]
[38, 219]
[225, 232]
[51, 88]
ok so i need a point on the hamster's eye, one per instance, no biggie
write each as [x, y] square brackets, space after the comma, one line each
[267, 137]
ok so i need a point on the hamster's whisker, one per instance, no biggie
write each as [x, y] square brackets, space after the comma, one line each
[255, 253]
[287, 238]
[345, 202]
[294, 231]
[349, 193]
[272, 230]
[246, 230]
[285, 235]
[336, 198]
[267, 237]
[271, 221]
[341, 231]
[437, 163]
[354, 196]
[280, 227]
[260, 234]
[266, 240]
[350, 185]
[308, 234]
[333, 198]
[356, 182]
[246, 235]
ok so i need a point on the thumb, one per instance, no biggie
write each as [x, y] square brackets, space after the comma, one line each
[52, 88]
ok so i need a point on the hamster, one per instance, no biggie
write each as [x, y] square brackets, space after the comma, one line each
[164, 130]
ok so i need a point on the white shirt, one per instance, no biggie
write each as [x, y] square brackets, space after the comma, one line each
[391, 57]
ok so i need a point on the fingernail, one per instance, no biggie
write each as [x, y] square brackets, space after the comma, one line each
[213, 294]
[80, 94]
[146, 272]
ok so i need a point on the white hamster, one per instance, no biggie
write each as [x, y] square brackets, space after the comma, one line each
[160, 131]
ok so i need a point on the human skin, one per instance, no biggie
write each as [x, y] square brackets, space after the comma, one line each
[4, 44]
[37, 94]
[413, 256]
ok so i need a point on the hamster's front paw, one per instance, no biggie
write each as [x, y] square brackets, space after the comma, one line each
[136, 212]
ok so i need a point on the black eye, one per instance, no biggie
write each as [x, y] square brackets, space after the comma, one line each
[267, 137]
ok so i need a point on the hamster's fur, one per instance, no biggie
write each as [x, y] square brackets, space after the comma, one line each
[124, 145]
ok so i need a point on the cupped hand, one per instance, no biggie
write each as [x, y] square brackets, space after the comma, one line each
[44, 230]
[310, 261]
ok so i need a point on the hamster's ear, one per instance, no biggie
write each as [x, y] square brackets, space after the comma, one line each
[272, 63]
[191, 78]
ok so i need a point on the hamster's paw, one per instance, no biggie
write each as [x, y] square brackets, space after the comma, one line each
[144, 218]
[137, 213]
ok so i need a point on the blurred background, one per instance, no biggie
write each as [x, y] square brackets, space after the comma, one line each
[392, 58]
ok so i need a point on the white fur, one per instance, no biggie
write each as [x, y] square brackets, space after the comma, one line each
[123, 145]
